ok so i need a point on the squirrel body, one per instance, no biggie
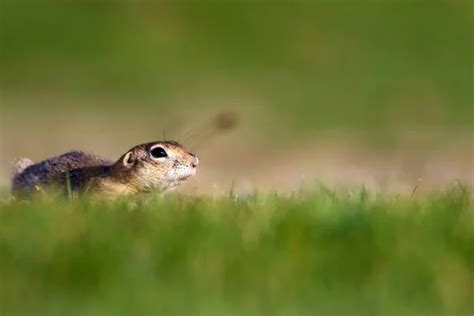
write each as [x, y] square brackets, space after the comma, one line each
[158, 165]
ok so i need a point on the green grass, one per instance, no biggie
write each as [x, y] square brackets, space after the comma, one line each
[319, 254]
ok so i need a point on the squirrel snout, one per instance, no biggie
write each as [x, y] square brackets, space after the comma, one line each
[194, 160]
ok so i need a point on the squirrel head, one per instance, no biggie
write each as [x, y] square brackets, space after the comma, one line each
[158, 165]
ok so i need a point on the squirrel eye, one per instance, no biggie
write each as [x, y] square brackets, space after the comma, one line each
[158, 152]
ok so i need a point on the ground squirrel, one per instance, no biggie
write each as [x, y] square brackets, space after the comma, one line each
[160, 165]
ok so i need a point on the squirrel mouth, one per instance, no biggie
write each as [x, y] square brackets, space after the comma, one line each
[183, 177]
[179, 177]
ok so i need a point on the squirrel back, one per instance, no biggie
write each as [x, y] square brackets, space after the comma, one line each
[28, 177]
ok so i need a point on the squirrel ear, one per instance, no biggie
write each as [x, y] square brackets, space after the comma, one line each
[128, 159]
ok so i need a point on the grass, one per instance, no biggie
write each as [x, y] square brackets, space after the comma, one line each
[324, 253]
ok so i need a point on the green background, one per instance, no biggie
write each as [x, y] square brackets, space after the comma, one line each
[374, 67]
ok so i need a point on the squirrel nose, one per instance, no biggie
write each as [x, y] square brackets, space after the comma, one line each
[194, 160]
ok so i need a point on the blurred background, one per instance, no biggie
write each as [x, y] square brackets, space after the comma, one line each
[344, 93]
